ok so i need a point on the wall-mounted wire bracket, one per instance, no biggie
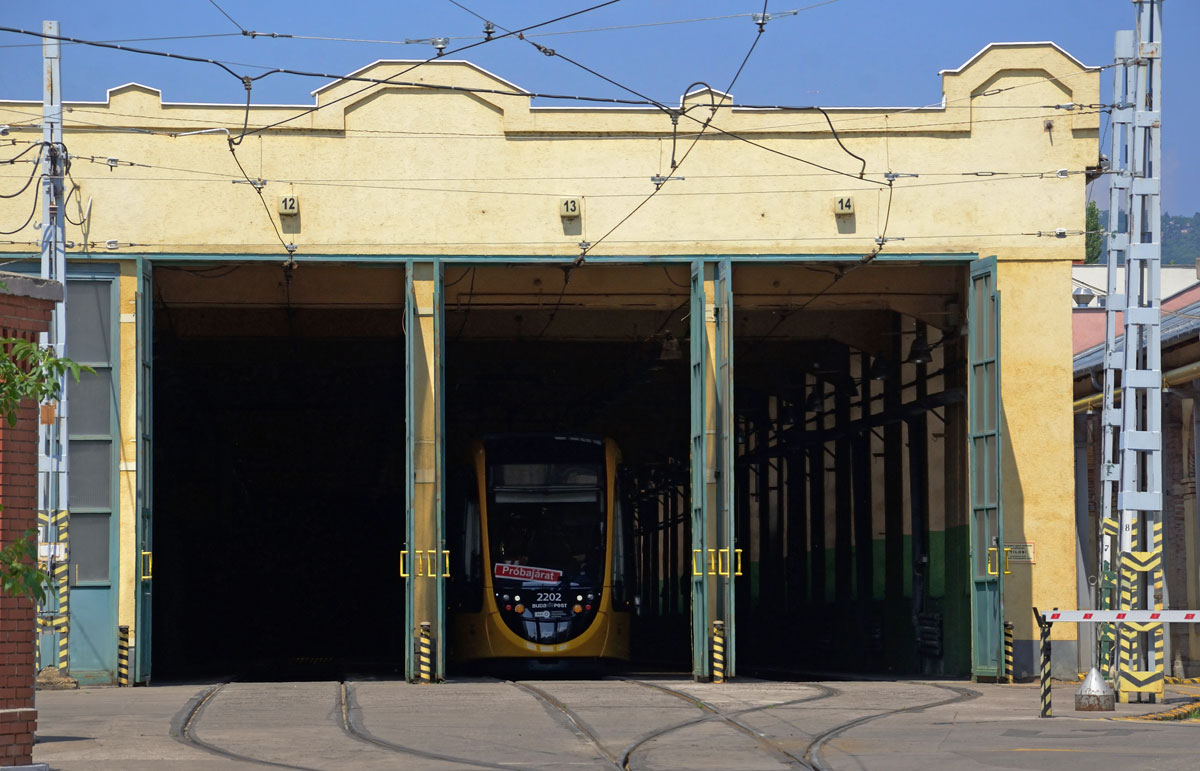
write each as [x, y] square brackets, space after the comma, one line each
[660, 180]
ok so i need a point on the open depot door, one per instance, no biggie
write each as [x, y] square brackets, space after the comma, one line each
[145, 489]
[987, 523]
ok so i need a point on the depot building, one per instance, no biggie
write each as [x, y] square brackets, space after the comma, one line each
[840, 385]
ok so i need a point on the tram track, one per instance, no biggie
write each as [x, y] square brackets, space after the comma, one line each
[812, 753]
[730, 718]
[355, 730]
[349, 718]
[572, 717]
[625, 759]
[184, 731]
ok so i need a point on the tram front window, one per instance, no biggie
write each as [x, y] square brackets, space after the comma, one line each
[546, 525]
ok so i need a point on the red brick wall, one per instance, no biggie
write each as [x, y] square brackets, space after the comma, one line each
[19, 317]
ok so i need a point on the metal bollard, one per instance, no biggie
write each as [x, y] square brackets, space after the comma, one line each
[123, 656]
[718, 652]
[1045, 625]
[425, 655]
[1008, 651]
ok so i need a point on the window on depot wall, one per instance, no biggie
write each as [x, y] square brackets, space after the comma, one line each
[90, 423]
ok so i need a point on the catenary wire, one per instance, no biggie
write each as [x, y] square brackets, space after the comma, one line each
[39, 146]
[287, 247]
[211, 246]
[28, 219]
[586, 247]
[232, 21]
[615, 28]
[391, 80]
[33, 173]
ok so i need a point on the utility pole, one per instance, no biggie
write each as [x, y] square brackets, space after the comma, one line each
[1135, 191]
[52, 427]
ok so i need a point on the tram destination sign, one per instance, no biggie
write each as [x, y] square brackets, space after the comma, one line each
[527, 573]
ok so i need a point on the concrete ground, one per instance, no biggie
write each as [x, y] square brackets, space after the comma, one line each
[642, 722]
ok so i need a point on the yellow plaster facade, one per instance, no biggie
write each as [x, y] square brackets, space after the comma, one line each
[420, 169]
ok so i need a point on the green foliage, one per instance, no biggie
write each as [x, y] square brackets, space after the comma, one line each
[1180, 239]
[28, 371]
[20, 575]
[1094, 244]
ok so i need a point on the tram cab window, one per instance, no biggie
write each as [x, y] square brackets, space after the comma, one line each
[549, 516]
[465, 542]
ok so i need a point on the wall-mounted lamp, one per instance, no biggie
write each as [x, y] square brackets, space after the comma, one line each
[919, 352]
[881, 369]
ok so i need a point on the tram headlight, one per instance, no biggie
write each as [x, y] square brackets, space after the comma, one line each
[577, 609]
[519, 608]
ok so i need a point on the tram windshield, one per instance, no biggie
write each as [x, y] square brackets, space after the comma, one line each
[546, 523]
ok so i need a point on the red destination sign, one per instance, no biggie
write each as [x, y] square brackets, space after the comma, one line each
[526, 573]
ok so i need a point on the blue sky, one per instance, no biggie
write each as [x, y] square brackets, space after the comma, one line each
[848, 52]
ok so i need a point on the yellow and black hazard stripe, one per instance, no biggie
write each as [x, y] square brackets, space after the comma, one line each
[424, 655]
[1141, 561]
[1008, 650]
[62, 582]
[1175, 713]
[1130, 681]
[1047, 710]
[123, 655]
[718, 652]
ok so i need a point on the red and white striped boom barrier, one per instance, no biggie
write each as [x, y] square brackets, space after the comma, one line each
[1123, 616]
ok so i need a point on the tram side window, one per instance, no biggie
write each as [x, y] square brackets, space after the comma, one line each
[623, 578]
[466, 550]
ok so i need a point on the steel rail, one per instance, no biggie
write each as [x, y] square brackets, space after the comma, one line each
[192, 717]
[729, 717]
[812, 753]
[355, 730]
[576, 721]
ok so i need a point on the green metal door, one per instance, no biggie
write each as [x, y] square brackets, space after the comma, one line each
[145, 477]
[699, 453]
[987, 525]
[410, 321]
[727, 568]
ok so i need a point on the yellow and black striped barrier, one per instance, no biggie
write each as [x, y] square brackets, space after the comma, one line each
[1047, 710]
[425, 655]
[1008, 651]
[62, 581]
[123, 656]
[1131, 679]
[718, 652]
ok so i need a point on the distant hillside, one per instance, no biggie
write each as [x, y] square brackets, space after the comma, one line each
[1180, 238]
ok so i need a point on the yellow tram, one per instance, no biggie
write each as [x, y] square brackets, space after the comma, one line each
[543, 544]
